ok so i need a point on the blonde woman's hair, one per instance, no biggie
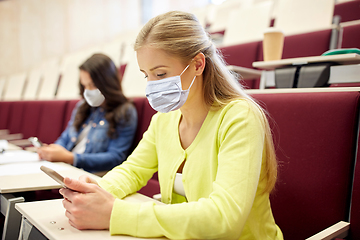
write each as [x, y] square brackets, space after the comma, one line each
[180, 34]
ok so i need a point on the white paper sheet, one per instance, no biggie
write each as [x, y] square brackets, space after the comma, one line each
[3, 144]
[18, 156]
[27, 168]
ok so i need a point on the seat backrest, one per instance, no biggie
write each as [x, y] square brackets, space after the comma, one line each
[351, 36]
[50, 80]
[5, 112]
[32, 84]
[219, 15]
[315, 135]
[113, 50]
[32, 113]
[348, 11]
[145, 113]
[242, 55]
[133, 81]
[301, 16]
[69, 82]
[16, 116]
[239, 30]
[51, 120]
[69, 109]
[2, 86]
[355, 201]
[15, 86]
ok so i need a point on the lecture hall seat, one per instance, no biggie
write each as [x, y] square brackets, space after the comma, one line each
[242, 55]
[355, 202]
[348, 11]
[351, 36]
[315, 139]
[51, 121]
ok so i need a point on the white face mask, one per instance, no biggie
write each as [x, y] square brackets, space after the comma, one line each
[166, 95]
[94, 97]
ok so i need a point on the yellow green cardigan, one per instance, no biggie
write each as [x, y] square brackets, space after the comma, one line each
[223, 179]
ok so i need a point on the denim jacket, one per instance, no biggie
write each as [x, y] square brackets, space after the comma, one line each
[102, 153]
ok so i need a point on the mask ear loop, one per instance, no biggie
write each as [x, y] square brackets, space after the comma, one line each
[191, 83]
[185, 69]
[193, 78]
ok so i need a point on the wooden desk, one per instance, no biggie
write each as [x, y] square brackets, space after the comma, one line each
[23, 177]
[350, 58]
[268, 77]
[49, 218]
[246, 73]
[21, 180]
[13, 147]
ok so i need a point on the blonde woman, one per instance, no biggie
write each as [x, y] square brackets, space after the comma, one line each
[210, 143]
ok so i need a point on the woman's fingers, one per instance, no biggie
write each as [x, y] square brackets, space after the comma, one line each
[87, 179]
[78, 186]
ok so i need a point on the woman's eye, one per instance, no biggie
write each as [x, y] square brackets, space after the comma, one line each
[161, 75]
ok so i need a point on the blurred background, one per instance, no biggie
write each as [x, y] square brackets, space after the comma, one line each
[42, 42]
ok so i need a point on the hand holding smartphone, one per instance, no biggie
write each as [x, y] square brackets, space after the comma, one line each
[35, 141]
[54, 175]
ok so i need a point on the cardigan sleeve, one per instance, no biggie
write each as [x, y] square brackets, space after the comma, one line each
[134, 173]
[223, 214]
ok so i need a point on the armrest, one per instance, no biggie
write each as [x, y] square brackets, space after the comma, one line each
[21, 142]
[246, 73]
[11, 136]
[4, 131]
[339, 230]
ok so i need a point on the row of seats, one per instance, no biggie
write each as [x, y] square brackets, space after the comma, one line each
[240, 22]
[58, 79]
[315, 135]
[299, 45]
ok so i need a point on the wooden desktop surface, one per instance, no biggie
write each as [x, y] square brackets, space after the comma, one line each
[13, 147]
[49, 218]
[19, 182]
[350, 58]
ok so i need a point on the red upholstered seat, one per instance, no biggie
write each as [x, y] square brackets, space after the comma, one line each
[315, 135]
[243, 55]
[351, 36]
[69, 108]
[152, 187]
[145, 113]
[4, 113]
[51, 120]
[32, 113]
[355, 203]
[122, 70]
[16, 116]
[348, 11]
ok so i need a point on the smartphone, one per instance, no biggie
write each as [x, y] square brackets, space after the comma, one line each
[35, 141]
[54, 175]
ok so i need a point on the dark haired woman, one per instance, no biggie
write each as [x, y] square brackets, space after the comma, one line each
[102, 126]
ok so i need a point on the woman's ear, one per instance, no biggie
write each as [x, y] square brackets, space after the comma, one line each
[199, 61]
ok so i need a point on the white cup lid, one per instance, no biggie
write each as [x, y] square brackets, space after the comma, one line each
[273, 29]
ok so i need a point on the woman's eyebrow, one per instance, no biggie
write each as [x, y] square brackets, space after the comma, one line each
[154, 68]
[159, 66]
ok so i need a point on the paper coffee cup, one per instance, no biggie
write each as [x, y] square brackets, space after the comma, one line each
[273, 44]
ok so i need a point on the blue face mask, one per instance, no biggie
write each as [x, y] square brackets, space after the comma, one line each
[166, 95]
